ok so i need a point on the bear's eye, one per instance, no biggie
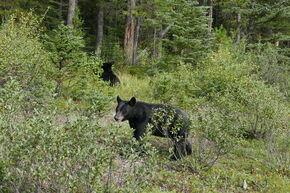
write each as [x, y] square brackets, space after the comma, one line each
[123, 110]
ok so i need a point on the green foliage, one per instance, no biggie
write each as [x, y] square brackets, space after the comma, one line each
[278, 153]
[273, 66]
[216, 133]
[71, 144]
[45, 154]
[75, 72]
[225, 81]
[191, 38]
[260, 20]
[134, 166]
[66, 49]
[23, 58]
[226, 102]
[187, 38]
[111, 50]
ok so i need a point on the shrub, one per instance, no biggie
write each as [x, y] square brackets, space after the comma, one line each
[227, 100]
[226, 81]
[278, 153]
[40, 152]
[66, 52]
[76, 72]
[22, 57]
[273, 66]
[216, 132]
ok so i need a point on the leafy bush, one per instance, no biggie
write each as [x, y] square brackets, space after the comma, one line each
[226, 82]
[47, 153]
[216, 132]
[278, 153]
[76, 73]
[226, 99]
[273, 66]
[22, 57]
[134, 166]
[66, 52]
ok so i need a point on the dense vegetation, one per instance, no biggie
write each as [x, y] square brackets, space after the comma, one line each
[226, 63]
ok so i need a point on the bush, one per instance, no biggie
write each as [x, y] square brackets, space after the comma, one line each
[41, 152]
[22, 57]
[227, 83]
[216, 132]
[273, 66]
[227, 100]
[76, 73]
[278, 153]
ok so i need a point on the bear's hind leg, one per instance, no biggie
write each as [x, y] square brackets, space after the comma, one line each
[181, 149]
[188, 147]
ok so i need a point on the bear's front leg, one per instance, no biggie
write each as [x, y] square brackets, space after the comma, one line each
[139, 130]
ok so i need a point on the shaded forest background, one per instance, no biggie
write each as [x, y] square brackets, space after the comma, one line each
[225, 62]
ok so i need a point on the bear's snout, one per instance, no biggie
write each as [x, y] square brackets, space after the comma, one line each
[118, 117]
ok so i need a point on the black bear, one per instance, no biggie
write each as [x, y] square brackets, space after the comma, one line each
[108, 74]
[166, 121]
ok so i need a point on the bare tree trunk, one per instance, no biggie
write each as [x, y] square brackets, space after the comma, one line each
[100, 29]
[238, 38]
[154, 42]
[210, 16]
[161, 35]
[130, 34]
[135, 44]
[71, 12]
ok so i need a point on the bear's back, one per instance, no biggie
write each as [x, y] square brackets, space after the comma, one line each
[162, 117]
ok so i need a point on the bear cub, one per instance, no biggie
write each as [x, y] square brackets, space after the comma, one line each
[166, 121]
[108, 74]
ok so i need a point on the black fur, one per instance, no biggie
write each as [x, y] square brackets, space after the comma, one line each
[108, 74]
[167, 121]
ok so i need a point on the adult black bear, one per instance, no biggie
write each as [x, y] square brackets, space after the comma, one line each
[108, 74]
[166, 121]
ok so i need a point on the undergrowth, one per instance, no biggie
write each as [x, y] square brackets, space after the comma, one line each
[57, 133]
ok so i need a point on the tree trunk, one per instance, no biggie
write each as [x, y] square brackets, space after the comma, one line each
[158, 43]
[210, 16]
[71, 12]
[100, 30]
[130, 34]
[154, 42]
[135, 44]
[238, 38]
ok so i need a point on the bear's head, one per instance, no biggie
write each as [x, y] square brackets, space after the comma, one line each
[107, 66]
[124, 109]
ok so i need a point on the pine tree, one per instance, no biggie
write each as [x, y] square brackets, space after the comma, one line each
[180, 29]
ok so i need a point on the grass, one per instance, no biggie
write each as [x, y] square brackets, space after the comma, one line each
[134, 86]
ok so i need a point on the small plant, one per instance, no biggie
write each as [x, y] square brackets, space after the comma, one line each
[278, 154]
[216, 134]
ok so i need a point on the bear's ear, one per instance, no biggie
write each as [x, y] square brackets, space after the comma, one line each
[132, 101]
[110, 64]
[119, 99]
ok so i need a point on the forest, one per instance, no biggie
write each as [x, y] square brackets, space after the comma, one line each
[223, 62]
